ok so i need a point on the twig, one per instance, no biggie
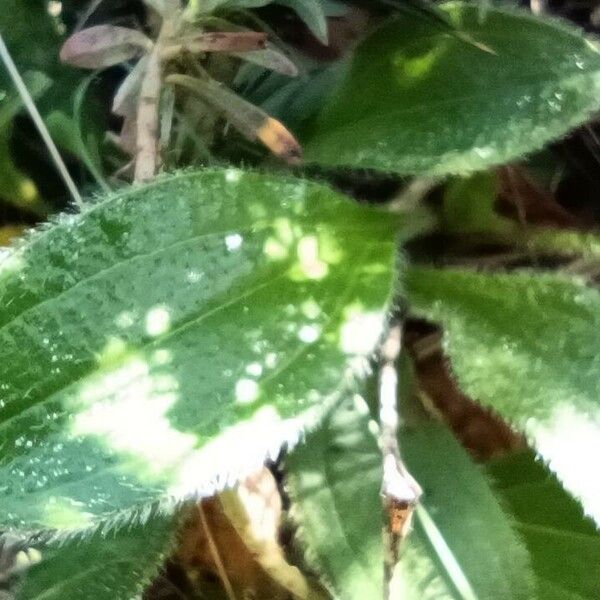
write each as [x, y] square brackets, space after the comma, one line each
[400, 492]
[146, 158]
[39, 122]
[412, 195]
[538, 7]
[214, 550]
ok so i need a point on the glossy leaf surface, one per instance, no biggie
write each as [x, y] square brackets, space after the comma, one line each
[418, 98]
[168, 340]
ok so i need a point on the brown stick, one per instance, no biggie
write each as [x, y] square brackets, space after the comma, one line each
[147, 156]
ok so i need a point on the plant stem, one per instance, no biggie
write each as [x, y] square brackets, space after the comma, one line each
[39, 122]
[147, 158]
[400, 492]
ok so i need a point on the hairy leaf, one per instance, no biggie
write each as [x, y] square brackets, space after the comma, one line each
[169, 339]
[418, 98]
[335, 482]
[564, 546]
[115, 566]
[526, 345]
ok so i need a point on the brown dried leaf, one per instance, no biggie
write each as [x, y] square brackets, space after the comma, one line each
[244, 524]
[227, 41]
[249, 120]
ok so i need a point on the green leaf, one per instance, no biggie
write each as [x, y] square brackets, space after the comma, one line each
[31, 35]
[115, 566]
[418, 98]
[459, 507]
[168, 340]
[564, 546]
[526, 345]
[202, 7]
[562, 241]
[312, 12]
[469, 205]
[334, 483]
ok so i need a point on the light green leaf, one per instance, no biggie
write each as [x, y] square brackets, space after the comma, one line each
[526, 345]
[335, 482]
[168, 340]
[564, 546]
[115, 566]
[166, 8]
[562, 241]
[418, 98]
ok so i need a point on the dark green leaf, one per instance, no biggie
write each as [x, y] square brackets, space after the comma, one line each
[312, 12]
[172, 337]
[33, 38]
[526, 345]
[418, 98]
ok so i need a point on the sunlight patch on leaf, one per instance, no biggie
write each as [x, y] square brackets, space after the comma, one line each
[151, 351]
